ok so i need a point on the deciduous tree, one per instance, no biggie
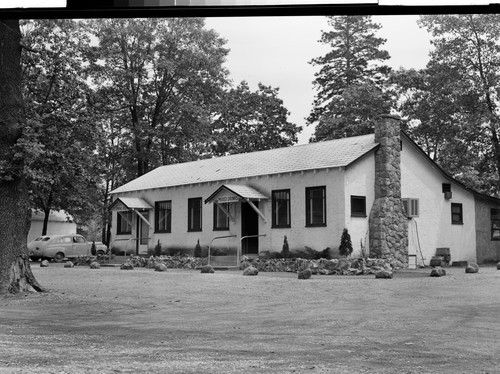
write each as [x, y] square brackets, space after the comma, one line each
[15, 214]
[252, 121]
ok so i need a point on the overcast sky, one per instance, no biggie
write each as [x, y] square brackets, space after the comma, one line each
[276, 51]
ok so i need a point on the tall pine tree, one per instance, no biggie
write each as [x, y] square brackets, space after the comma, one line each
[349, 83]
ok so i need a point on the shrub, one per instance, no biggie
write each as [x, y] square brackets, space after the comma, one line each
[197, 249]
[157, 250]
[285, 251]
[93, 249]
[345, 247]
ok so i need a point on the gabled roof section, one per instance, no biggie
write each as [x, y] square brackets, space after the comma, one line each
[242, 192]
[446, 175]
[129, 203]
[321, 155]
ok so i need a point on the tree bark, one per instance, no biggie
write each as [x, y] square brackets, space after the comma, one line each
[15, 213]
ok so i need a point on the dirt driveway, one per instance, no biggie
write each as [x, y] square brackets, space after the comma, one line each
[181, 321]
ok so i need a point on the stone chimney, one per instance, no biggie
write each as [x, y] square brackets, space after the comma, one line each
[388, 224]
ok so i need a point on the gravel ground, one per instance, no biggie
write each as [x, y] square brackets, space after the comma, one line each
[181, 321]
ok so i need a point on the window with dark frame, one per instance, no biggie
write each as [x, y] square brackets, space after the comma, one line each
[163, 216]
[124, 223]
[495, 224]
[456, 214]
[194, 214]
[315, 206]
[358, 206]
[221, 219]
[280, 208]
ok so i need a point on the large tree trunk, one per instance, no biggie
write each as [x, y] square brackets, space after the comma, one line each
[15, 215]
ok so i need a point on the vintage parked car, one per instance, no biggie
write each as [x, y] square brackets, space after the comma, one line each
[60, 247]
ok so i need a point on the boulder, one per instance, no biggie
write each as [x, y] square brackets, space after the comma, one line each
[384, 274]
[44, 264]
[127, 266]
[438, 272]
[69, 265]
[160, 267]
[498, 266]
[330, 264]
[250, 271]
[305, 274]
[472, 268]
[95, 265]
[344, 264]
[207, 269]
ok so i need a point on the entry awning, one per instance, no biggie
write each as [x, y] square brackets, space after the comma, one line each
[232, 193]
[134, 204]
[129, 203]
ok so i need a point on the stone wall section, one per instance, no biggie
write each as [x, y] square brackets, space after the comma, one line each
[388, 224]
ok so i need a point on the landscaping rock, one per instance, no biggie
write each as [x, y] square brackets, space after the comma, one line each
[69, 265]
[95, 265]
[207, 269]
[160, 267]
[438, 272]
[498, 266]
[127, 266]
[384, 274]
[305, 274]
[250, 271]
[44, 264]
[330, 264]
[472, 268]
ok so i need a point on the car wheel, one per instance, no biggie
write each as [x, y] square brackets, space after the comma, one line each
[100, 253]
[59, 257]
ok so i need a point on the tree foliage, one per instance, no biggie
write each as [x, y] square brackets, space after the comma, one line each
[251, 121]
[60, 135]
[350, 81]
[162, 79]
[452, 105]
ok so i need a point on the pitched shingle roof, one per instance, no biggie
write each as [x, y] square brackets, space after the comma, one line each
[321, 155]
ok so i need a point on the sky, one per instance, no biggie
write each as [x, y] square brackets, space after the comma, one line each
[276, 51]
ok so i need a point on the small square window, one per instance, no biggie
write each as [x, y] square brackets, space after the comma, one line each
[358, 206]
[456, 214]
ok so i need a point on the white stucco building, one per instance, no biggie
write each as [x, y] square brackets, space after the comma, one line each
[308, 193]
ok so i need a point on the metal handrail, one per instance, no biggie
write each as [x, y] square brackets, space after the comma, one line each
[215, 238]
[241, 241]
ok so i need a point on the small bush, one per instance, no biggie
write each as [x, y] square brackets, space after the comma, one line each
[345, 247]
[93, 249]
[197, 249]
[157, 250]
[285, 250]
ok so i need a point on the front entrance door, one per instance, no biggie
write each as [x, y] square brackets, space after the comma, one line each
[142, 233]
[249, 226]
